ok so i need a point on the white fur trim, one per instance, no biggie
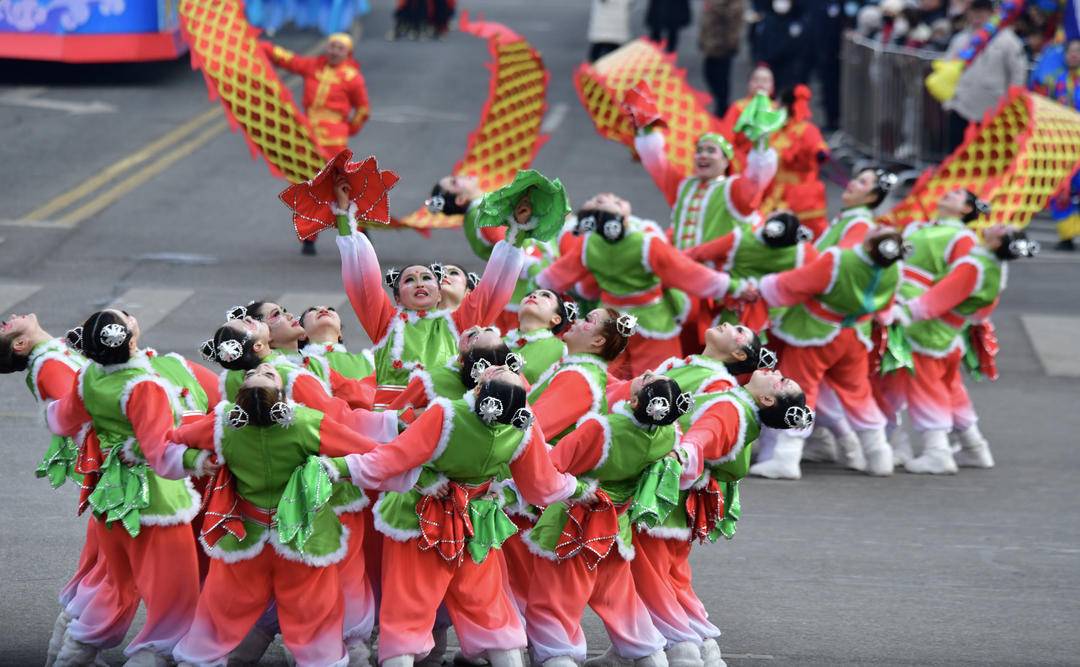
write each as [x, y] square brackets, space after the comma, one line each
[627, 551]
[355, 506]
[435, 487]
[666, 532]
[526, 436]
[52, 350]
[834, 274]
[219, 430]
[222, 376]
[730, 203]
[514, 335]
[447, 426]
[536, 549]
[606, 426]
[396, 534]
[200, 463]
[567, 364]
[171, 392]
[623, 408]
[138, 360]
[425, 379]
[736, 241]
[250, 552]
[288, 553]
[589, 493]
[180, 516]
[743, 426]
[957, 343]
[721, 371]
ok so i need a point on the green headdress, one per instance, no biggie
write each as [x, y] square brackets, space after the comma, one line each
[549, 203]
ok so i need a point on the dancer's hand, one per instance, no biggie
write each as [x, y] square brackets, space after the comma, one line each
[341, 191]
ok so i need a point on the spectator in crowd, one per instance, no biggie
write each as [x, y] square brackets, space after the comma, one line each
[414, 19]
[826, 31]
[1057, 75]
[894, 22]
[665, 19]
[1002, 63]
[782, 40]
[609, 26]
[719, 38]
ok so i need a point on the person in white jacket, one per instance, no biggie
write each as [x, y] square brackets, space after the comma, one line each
[609, 26]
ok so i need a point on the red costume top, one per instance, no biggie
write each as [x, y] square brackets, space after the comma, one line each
[797, 185]
[739, 142]
[950, 292]
[335, 97]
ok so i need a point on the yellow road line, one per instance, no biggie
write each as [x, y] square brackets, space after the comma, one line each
[91, 184]
[142, 176]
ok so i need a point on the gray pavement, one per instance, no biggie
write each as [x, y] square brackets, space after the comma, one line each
[981, 568]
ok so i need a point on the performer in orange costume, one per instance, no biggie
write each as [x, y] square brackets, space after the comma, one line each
[761, 80]
[335, 97]
[801, 148]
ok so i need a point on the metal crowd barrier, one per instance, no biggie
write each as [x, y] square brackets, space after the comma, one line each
[886, 112]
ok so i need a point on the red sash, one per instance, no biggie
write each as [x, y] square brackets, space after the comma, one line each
[444, 522]
[590, 530]
[88, 464]
[705, 509]
[223, 515]
[984, 340]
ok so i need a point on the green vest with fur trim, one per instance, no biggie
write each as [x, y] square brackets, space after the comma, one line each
[540, 350]
[622, 269]
[166, 501]
[697, 218]
[932, 244]
[469, 452]
[355, 366]
[859, 288]
[630, 450]
[727, 471]
[839, 226]
[261, 460]
[430, 340]
[694, 372]
[938, 338]
[58, 463]
[191, 398]
[592, 368]
[750, 257]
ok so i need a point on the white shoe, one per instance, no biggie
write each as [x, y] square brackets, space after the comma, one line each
[74, 653]
[560, 661]
[710, 653]
[500, 658]
[359, 655]
[609, 659]
[849, 452]
[820, 447]
[684, 654]
[900, 441]
[398, 661]
[879, 458]
[936, 457]
[784, 463]
[974, 449]
[435, 657]
[63, 619]
[658, 659]
[251, 649]
[147, 658]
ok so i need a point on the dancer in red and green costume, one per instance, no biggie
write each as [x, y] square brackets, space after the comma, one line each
[716, 452]
[143, 501]
[461, 195]
[444, 535]
[51, 366]
[409, 330]
[827, 332]
[750, 252]
[542, 317]
[863, 193]
[935, 323]
[275, 536]
[640, 273]
[584, 551]
[936, 247]
[323, 341]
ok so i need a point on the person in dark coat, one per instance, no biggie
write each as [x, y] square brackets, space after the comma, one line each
[783, 40]
[665, 18]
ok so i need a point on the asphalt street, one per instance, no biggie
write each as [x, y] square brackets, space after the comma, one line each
[838, 569]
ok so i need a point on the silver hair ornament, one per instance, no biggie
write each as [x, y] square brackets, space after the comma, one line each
[1024, 247]
[391, 277]
[774, 228]
[113, 335]
[207, 350]
[886, 180]
[658, 407]
[478, 368]
[571, 309]
[586, 224]
[804, 234]
[236, 313]
[490, 409]
[685, 402]
[282, 413]
[626, 325]
[890, 248]
[237, 417]
[612, 229]
[230, 350]
[436, 204]
[766, 358]
[522, 419]
[798, 417]
[515, 362]
[75, 338]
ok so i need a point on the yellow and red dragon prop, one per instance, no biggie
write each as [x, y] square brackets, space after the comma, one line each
[508, 136]
[1020, 155]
